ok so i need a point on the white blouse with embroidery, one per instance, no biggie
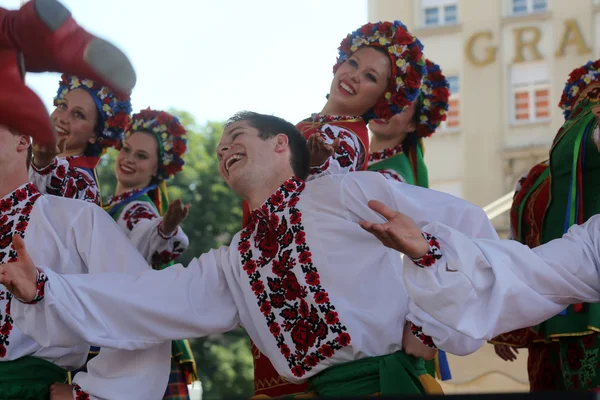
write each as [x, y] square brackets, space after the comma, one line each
[141, 223]
[61, 179]
[310, 286]
[76, 237]
[349, 156]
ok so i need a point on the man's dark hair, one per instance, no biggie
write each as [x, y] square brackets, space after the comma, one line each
[268, 126]
[29, 156]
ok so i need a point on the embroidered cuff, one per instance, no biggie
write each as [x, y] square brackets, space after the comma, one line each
[433, 254]
[47, 170]
[418, 332]
[79, 394]
[40, 284]
[319, 169]
[166, 237]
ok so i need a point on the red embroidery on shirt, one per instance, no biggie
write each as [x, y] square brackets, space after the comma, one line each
[297, 309]
[426, 340]
[15, 210]
[433, 254]
[79, 393]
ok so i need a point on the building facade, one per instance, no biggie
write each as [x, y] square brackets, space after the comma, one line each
[507, 62]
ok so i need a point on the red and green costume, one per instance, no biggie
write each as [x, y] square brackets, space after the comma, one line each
[401, 163]
[563, 351]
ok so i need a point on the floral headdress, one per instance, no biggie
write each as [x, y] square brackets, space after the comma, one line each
[408, 66]
[170, 135]
[433, 101]
[114, 111]
[579, 78]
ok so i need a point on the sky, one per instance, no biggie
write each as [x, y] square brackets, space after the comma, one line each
[214, 58]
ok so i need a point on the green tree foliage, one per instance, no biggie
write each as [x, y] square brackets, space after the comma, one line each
[224, 361]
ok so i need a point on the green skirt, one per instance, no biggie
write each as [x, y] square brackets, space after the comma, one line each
[29, 378]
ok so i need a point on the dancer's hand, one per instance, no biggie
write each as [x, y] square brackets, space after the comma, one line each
[44, 155]
[400, 232]
[61, 391]
[319, 151]
[20, 277]
[413, 346]
[507, 353]
[175, 215]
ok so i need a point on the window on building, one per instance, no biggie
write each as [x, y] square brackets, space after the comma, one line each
[439, 12]
[528, 6]
[530, 93]
[452, 121]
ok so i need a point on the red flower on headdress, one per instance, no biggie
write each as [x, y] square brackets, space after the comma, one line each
[164, 118]
[381, 109]
[366, 29]
[345, 45]
[120, 120]
[146, 114]
[441, 92]
[385, 28]
[179, 146]
[177, 130]
[413, 78]
[402, 37]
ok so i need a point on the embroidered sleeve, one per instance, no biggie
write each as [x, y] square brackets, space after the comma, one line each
[320, 169]
[426, 340]
[163, 235]
[59, 179]
[433, 254]
[391, 175]
[348, 157]
[141, 223]
[40, 283]
[79, 394]
[139, 211]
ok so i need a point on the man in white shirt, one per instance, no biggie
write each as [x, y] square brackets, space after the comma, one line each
[74, 237]
[317, 294]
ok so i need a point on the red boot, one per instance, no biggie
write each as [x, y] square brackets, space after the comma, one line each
[21, 110]
[51, 40]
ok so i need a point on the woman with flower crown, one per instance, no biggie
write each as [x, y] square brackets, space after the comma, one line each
[555, 194]
[151, 153]
[88, 118]
[396, 143]
[378, 74]
[397, 151]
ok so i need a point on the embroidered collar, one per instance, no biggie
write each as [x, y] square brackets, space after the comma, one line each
[385, 153]
[323, 119]
[18, 198]
[112, 200]
[278, 201]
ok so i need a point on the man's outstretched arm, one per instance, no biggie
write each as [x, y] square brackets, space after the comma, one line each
[121, 311]
[481, 287]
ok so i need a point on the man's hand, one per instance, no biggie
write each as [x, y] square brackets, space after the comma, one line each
[43, 155]
[61, 391]
[507, 353]
[19, 277]
[400, 232]
[319, 151]
[175, 215]
[413, 346]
